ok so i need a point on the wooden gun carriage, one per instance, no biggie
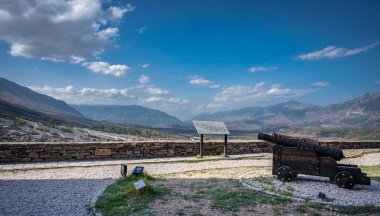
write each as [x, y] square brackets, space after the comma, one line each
[293, 156]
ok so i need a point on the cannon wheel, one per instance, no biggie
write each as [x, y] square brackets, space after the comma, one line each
[345, 180]
[285, 174]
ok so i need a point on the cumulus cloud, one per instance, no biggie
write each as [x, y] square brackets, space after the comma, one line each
[239, 94]
[85, 95]
[143, 79]
[107, 69]
[198, 80]
[57, 30]
[118, 12]
[255, 69]
[334, 52]
[141, 30]
[156, 91]
[108, 33]
[320, 84]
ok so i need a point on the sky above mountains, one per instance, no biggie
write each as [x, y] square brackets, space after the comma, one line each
[189, 57]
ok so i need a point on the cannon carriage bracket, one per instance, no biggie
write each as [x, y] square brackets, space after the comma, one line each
[288, 162]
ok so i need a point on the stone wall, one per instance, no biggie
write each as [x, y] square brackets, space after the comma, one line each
[36, 152]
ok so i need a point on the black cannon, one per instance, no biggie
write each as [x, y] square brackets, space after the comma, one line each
[293, 156]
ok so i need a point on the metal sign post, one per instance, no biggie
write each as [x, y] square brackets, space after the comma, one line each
[211, 128]
[201, 147]
[225, 145]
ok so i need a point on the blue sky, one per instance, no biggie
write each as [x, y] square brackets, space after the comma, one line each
[189, 57]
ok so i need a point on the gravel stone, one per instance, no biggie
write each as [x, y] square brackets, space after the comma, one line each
[308, 187]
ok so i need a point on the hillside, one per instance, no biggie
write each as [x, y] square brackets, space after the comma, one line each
[23, 112]
[13, 93]
[363, 111]
[131, 114]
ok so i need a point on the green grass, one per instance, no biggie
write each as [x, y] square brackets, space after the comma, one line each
[347, 210]
[264, 180]
[121, 198]
[230, 201]
[372, 171]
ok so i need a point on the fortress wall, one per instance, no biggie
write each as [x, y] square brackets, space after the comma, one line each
[70, 151]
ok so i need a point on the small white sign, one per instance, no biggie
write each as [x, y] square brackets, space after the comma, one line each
[139, 184]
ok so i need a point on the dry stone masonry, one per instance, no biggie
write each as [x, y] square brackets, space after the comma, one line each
[70, 151]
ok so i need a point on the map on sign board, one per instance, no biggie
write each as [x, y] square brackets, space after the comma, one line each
[210, 127]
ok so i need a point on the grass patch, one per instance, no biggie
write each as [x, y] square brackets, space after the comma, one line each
[372, 171]
[229, 201]
[264, 180]
[368, 209]
[326, 199]
[121, 198]
[313, 208]
[194, 198]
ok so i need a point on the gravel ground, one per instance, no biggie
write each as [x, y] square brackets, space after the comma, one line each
[68, 191]
[64, 191]
[309, 186]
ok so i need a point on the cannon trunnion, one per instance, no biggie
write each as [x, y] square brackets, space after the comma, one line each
[288, 162]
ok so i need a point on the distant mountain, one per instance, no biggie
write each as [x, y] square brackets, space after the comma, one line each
[13, 93]
[18, 103]
[132, 114]
[363, 111]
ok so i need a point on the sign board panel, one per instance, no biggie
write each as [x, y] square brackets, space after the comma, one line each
[139, 184]
[211, 127]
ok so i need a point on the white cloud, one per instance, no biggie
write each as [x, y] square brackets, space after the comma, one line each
[255, 69]
[57, 30]
[143, 79]
[239, 94]
[108, 33]
[173, 100]
[85, 95]
[118, 13]
[334, 52]
[377, 82]
[197, 80]
[320, 84]
[156, 91]
[107, 69]
[144, 65]
[141, 30]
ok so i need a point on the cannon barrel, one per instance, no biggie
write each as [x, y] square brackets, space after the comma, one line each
[287, 141]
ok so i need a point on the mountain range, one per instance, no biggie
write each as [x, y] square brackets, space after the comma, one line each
[360, 112]
[132, 114]
[20, 104]
[363, 111]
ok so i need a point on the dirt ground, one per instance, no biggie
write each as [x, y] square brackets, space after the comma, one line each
[191, 194]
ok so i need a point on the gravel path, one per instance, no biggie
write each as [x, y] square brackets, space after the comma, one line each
[68, 191]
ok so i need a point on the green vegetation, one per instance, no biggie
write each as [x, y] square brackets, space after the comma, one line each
[264, 180]
[121, 198]
[67, 130]
[315, 209]
[228, 201]
[111, 128]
